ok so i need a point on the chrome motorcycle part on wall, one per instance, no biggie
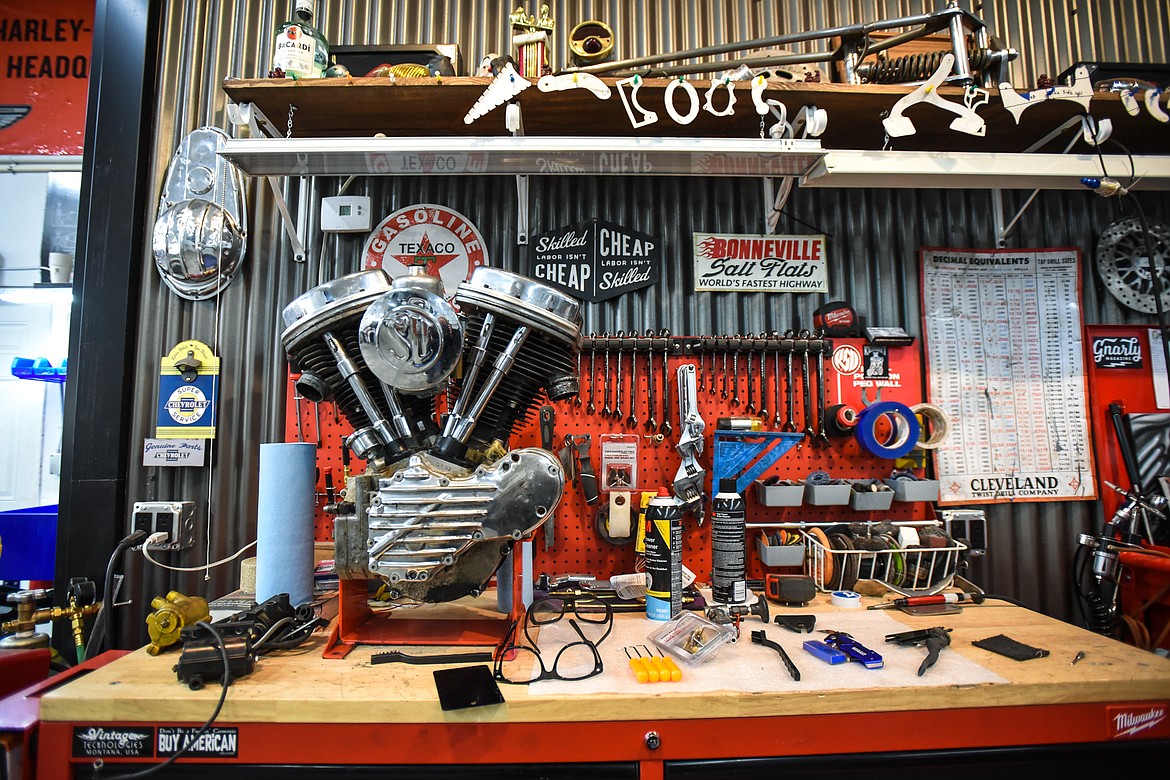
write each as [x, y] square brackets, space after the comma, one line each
[200, 233]
[436, 512]
[1124, 264]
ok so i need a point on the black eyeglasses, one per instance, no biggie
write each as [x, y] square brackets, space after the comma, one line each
[577, 660]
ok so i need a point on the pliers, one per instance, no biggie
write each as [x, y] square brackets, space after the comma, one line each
[934, 639]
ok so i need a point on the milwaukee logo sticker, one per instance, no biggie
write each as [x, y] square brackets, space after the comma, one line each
[747, 263]
[1130, 721]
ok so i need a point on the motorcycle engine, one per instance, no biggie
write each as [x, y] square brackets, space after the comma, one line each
[442, 500]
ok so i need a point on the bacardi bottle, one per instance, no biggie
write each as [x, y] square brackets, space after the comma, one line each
[301, 51]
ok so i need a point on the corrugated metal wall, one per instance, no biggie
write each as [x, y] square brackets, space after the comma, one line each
[874, 235]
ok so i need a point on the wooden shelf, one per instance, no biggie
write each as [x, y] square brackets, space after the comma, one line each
[426, 107]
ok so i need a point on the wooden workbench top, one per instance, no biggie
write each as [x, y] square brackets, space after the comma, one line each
[303, 687]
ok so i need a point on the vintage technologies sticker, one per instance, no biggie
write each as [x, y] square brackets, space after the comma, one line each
[187, 387]
[113, 742]
[595, 260]
[1005, 360]
[440, 239]
[742, 263]
[46, 76]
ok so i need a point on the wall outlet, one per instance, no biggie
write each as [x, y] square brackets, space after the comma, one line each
[345, 214]
[177, 518]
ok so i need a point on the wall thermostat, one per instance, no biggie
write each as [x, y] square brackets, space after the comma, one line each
[345, 214]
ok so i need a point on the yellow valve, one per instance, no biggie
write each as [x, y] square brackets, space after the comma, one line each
[172, 614]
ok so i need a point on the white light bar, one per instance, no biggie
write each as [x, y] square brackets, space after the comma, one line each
[981, 170]
[530, 155]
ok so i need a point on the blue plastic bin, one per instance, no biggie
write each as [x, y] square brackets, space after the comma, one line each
[28, 543]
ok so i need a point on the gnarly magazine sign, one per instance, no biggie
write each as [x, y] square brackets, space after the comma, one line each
[595, 260]
[746, 263]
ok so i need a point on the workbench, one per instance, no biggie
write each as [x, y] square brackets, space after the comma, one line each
[1102, 712]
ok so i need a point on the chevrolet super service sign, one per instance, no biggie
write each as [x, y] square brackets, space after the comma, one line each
[748, 263]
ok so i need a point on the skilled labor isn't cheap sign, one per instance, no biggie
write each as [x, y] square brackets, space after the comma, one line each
[746, 263]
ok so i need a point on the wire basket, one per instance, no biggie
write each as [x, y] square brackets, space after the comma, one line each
[910, 571]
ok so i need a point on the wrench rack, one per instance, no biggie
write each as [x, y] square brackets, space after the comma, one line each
[578, 546]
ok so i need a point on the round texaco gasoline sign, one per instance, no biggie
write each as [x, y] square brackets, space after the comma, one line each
[440, 239]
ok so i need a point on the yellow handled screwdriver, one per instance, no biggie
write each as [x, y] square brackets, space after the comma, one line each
[660, 665]
[638, 667]
[675, 671]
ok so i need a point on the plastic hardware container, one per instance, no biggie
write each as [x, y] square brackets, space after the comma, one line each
[835, 494]
[692, 638]
[784, 493]
[779, 555]
[866, 500]
[914, 489]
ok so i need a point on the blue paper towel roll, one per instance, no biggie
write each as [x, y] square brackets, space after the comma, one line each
[284, 523]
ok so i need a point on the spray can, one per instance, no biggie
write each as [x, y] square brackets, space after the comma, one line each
[728, 545]
[664, 556]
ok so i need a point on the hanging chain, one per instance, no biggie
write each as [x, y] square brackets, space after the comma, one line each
[291, 110]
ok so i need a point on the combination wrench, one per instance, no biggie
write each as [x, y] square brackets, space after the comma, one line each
[606, 411]
[652, 422]
[808, 410]
[617, 391]
[777, 421]
[789, 425]
[592, 371]
[577, 399]
[735, 370]
[751, 398]
[632, 420]
[666, 426]
[763, 372]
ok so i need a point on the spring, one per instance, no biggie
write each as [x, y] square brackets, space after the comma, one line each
[917, 67]
[1099, 616]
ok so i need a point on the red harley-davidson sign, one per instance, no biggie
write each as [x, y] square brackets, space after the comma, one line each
[44, 59]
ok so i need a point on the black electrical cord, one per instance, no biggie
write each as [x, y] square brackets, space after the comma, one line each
[101, 623]
[226, 681]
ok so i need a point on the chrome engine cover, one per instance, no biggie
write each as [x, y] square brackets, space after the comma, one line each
[426, 514]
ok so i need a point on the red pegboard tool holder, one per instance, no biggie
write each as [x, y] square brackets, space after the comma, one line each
[578, 545]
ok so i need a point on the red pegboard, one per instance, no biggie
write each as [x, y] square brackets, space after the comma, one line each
[579, 548]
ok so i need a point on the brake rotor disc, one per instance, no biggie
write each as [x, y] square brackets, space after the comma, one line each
[1123, 265]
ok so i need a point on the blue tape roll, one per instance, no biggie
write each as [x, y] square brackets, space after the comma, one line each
[906, 428]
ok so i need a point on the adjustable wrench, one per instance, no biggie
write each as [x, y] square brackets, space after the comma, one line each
[632, 420]
[688, 480]
[751, 399]
[652, 423]
[592, 371]
[763, 372]
[808, 411]
[606, 411]
[789, 425]
[735, 369]
[666, 427]
[617, 391]
[822, 345]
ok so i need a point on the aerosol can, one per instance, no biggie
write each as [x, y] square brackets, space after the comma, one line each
[664, 556]
[728, 545]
